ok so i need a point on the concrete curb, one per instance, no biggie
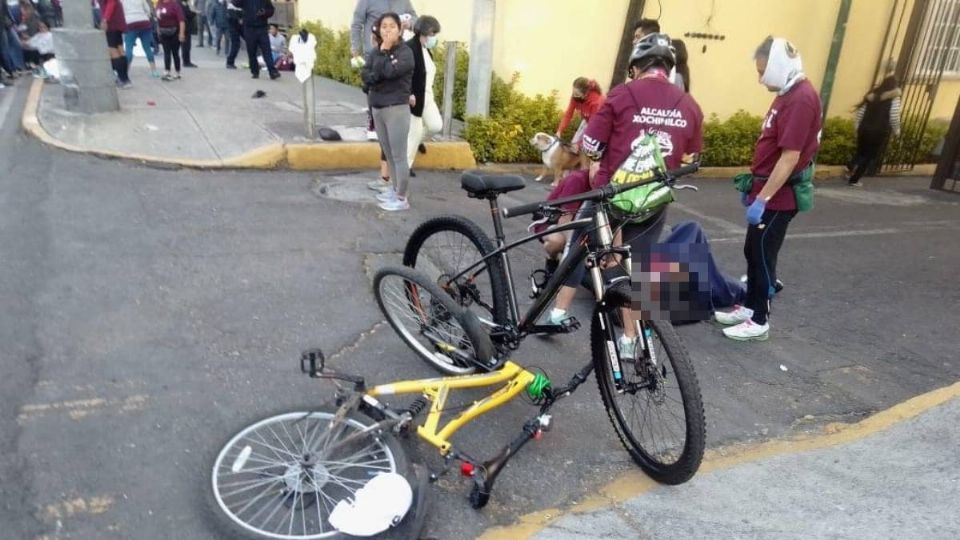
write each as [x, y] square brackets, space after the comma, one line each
[301, 157]
[634, 483]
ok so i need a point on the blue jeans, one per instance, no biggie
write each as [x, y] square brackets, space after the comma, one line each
[146, 41]
[14, 50]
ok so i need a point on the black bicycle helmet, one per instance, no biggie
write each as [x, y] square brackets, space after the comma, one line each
[653, 48]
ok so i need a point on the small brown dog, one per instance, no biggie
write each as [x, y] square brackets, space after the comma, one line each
[557, 156]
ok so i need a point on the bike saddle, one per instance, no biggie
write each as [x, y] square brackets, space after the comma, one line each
[487, 186]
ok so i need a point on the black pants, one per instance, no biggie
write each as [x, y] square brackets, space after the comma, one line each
[639, 236]
[258, 40]
[34, 57]
[761, 249]
[185, 47]
[171, 50]
[204, 24]
[4, 65]
[868, 149]
[233, 29]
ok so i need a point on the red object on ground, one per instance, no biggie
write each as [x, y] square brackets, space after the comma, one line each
[466, 469]
[152, 103]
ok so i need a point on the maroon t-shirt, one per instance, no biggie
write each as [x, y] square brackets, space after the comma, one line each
[112, 12]
[169, 14]
[653, 105]
[792, 123]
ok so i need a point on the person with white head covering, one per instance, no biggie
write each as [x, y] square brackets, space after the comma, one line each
[783, 156]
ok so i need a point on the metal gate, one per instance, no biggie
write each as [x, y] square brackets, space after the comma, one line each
[922, 36]
[947, 176]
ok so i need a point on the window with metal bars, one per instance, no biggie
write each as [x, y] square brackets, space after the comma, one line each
[942, 25]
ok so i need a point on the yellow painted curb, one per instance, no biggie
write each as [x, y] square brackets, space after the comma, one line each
[324, 156]
[634, 482]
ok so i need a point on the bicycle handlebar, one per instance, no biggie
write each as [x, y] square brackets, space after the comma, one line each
[604, 192]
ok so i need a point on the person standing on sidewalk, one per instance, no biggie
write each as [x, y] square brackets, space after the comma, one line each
[217, 15]
[365, 15]
[875, 118]
[113, 23]
[203, 23]
[388, 76]
[423, 105]
[784, 153]
[234, 30]
[186, 46]
[139, 17]
[172, 26]
[256, 13]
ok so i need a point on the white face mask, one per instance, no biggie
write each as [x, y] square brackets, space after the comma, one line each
[432, 42]
[784, 67]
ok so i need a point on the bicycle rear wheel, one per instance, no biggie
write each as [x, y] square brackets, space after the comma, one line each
[282, 476]
[658, 415]
[448, 337]
[445, 246]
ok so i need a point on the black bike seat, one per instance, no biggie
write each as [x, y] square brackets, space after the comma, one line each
[483, 186]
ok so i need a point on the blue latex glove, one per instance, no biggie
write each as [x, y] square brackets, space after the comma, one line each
[743, 198]
[755, 211]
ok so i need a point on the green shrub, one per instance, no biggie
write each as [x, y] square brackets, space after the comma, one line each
[460, 80]
[730, 142]
[838, 141]
[514, 118]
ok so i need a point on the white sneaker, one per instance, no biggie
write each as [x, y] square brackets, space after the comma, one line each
[395, 205]
[737, 316]
[379, 185]
[748, 331]
[371, 135]
[387, 195]
[628, 347]
[557, 316]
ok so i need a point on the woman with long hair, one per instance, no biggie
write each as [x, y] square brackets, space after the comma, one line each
[875, 117]
[172, 27]
[586, 99]
[388, 77]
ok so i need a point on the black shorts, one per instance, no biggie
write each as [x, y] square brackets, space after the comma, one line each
[114, 39]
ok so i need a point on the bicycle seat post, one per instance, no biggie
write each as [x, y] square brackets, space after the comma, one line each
[502, 241]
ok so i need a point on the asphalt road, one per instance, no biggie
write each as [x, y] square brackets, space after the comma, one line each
[149, 314]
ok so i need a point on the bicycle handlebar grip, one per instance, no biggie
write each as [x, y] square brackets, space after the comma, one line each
[522, 210]
[685, 170]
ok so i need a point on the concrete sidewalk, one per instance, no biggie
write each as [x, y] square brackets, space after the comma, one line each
[894, 475]
[210, 119]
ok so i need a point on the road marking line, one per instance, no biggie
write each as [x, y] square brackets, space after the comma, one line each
[728, 227]
[634, 482]
[80, 408]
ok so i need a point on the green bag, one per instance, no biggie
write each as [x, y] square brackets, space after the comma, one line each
[743, 182]
[641, 165]
[802, 184]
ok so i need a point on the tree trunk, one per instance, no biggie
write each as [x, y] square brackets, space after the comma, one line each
[634, 14]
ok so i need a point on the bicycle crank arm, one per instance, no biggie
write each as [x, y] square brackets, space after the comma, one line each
[487, 475]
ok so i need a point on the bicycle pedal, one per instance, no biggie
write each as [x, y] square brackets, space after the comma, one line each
[570, 324]
[312, 362]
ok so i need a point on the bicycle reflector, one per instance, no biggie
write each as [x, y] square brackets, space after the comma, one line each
[538, 386]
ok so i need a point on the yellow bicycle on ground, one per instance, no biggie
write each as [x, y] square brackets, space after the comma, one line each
[329, 471]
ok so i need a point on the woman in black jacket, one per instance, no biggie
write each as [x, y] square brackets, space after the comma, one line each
[388, 77]
[423, 106]
[876, 117]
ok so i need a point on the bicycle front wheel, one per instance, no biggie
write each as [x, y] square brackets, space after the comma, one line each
[282, 476]
[658, 411]
[445, 246]
[444, 334]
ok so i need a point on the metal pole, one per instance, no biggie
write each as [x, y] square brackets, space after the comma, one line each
[481, 57]
[826, 89]
[310, 106]
[449, 78]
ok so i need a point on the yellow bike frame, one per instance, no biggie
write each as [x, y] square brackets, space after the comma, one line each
[515, 380]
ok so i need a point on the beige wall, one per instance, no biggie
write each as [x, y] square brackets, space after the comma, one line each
[551, 42]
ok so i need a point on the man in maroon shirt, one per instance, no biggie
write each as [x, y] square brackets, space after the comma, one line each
[113, 22]
[787, 145]
[648, 105]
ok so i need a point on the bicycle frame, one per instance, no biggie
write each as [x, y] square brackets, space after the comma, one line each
[514, 377]
[600, 222]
